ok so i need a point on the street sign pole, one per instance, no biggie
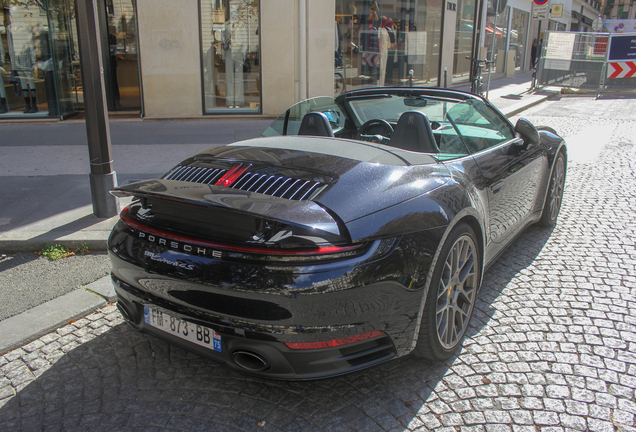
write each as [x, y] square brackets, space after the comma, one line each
[102, 176]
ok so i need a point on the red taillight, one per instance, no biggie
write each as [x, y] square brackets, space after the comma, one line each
[334, 342]
[232, 175]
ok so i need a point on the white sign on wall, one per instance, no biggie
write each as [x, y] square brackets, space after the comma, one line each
[559, 51]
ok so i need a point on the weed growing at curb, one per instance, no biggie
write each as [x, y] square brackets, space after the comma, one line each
[55, 252]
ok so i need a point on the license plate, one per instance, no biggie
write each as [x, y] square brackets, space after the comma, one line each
[194, 333]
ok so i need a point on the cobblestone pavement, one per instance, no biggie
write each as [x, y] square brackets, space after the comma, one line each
[552, 345]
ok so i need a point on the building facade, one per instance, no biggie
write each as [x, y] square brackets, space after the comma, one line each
[197, 58]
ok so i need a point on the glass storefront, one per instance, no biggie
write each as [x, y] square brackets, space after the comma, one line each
[230, 56]
[121, 69]
[463, 39]
[379, 43]
[497, 36]
[518, 36]
[35, 59]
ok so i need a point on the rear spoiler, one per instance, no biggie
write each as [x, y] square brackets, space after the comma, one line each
[303, 213]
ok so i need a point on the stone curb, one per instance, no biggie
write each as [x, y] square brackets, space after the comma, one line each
[30, 325]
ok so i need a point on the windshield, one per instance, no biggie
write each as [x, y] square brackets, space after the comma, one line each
[391, 107]
[288, 123]
[460, 127]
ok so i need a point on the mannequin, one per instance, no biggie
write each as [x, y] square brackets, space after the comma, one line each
[385, 42]
[22, 53]
[392, 53]
[234, 45]
[210, 76]
[4, 108]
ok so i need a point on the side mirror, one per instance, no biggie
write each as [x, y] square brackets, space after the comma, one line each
[527, 131]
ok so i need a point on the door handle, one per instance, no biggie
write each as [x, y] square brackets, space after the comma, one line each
[496, 187]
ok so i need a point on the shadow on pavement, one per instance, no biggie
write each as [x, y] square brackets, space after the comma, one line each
[16, 261]
[124, 378]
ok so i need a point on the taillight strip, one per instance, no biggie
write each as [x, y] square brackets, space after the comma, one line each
[127, 219]
[334, 342]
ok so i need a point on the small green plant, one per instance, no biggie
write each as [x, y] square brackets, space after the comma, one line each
[56, 252]
[82, 249]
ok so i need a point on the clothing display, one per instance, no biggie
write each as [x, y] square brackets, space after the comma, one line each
[234, 49]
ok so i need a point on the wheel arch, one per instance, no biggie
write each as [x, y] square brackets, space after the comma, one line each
[469, 216]
[554, 148]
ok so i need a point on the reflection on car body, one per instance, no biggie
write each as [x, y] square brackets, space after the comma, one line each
[309, 256]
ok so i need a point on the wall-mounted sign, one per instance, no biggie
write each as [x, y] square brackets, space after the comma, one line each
[622, 48]
[556, 11]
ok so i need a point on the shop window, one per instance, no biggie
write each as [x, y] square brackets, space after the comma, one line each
[26, 65]
[497, 35]
[463, 38]
[379, 43]
[231, 56]
[518, 36]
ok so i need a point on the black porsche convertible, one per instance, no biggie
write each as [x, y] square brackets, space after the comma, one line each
[354, 231]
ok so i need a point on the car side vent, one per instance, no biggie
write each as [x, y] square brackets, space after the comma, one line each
[195, 174]
[280, 186]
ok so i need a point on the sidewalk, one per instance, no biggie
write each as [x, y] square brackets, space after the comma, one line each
[48, 201]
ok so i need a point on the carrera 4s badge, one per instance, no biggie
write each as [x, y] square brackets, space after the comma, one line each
[161, 259]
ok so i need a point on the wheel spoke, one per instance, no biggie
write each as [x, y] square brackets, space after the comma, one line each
[556, 188]
[456, 292]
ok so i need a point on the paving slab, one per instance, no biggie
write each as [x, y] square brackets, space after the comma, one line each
[29, 325]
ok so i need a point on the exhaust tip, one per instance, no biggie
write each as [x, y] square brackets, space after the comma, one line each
[250, 361]
[124, 311]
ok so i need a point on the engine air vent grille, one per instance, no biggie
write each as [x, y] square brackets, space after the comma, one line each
[280, 186]
[195, 174]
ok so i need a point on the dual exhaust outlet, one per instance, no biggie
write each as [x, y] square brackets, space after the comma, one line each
[250, 361]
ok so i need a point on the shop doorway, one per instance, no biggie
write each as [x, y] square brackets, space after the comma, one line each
[118, 33]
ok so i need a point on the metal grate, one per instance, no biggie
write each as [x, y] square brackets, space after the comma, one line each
[278, 186]
[266, 184]
[195, 174]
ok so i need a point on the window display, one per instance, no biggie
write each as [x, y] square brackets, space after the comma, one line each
[497, 35]
[388, 43]
[33, 48]
[463, 39]
[518, 36]
[231, 55]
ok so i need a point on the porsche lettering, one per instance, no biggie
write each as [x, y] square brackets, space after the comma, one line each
[179, 246]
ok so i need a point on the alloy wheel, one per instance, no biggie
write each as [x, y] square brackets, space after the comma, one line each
[457, 292]
[556, 188]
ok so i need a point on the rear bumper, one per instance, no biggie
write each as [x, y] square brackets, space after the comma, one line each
[240, 347]
[257, 306]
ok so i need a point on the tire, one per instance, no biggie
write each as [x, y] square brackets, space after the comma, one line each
[554, 197]
[455, 284]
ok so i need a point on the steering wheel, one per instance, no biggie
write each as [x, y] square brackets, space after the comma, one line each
[377, 138]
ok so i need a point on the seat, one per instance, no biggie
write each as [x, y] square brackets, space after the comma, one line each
[315, 124]
[413, 133]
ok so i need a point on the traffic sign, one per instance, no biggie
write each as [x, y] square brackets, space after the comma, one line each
[540, 2]
[540, 12]
[625, 69]
[622, 47]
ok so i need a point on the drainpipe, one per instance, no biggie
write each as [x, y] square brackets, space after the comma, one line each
[302, 27]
